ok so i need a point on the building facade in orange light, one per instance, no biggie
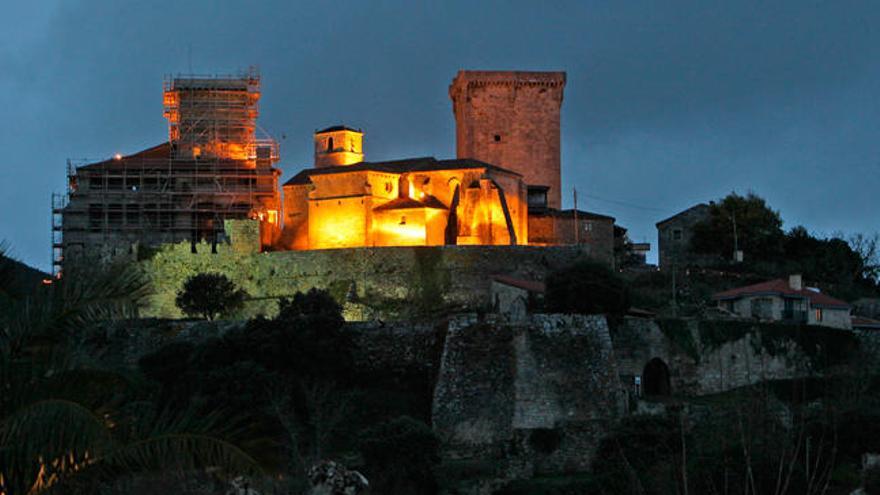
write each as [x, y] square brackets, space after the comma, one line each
[413, 202]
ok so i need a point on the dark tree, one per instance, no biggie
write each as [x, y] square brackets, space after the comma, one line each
[586, 287]
[209, 295]
[744, 221]
[314, 305]
[400, 455]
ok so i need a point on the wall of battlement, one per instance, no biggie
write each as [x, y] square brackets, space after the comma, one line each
[385, 282]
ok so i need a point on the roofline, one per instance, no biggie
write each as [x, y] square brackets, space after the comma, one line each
[680, 213]
[783, 295]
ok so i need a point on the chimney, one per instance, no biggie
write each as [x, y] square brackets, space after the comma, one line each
[796, 282]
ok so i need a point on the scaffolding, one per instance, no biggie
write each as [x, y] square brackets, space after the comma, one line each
[212, 168]
[215, 117]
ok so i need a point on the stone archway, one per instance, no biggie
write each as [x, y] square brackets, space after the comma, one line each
[655, 378]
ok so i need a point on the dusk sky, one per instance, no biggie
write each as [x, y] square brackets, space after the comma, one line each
[668, 103]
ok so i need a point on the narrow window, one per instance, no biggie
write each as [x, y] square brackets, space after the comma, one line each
[818, 314]
[330, 144]
[497, 138]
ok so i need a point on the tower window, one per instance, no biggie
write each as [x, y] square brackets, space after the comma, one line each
[497, 138]
[330, 144]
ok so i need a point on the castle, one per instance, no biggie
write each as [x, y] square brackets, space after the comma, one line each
[503, 187]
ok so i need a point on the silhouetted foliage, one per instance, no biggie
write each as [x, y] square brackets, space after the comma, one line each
[586, 287]
[314, 305]
[757, 227]
[209, 295]
[399, 455]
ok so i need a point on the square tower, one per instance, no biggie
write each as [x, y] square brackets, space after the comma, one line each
[511, 119]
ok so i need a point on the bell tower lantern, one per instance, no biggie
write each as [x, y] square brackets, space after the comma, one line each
[338, 146]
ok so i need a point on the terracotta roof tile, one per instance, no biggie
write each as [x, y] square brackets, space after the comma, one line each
[780, 287]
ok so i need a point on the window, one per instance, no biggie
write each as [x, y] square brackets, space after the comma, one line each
[762, 308]
[537, 196]
[588, 226]
[388, 187]
[497, 138]
[676, 234]
[329, 144]
[818, 314]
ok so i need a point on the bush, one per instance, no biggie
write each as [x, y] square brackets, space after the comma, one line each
[586, 287]
[400, 456]
[209, 295]
[317, 306]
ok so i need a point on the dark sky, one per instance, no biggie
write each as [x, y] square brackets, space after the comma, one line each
[667, 104]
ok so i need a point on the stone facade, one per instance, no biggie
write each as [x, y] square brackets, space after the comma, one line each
[537, 395]
[553, 227]
[391, 280]
[674, 237]
[511, 119]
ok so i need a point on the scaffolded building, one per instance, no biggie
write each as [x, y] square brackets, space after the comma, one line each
[212, 168]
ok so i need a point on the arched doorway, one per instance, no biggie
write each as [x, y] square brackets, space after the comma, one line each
[655, 378]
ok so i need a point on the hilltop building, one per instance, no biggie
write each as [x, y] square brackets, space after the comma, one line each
[786, 301]
[212, 168]
[674, 237]
[503, 187]
[413, 202]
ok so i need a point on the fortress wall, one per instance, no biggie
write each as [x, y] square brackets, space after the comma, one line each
[392, 281]
[538, 396]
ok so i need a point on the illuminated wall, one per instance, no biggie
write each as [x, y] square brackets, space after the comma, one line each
[377, 208]
[338, 146]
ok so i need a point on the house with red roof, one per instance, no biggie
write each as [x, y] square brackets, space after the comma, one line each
[786, 301]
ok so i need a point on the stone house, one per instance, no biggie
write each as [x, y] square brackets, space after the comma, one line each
[786, 301]
[548, 227]
[674, 237]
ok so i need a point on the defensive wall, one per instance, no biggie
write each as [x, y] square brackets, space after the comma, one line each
[537, 396]
[385, 282]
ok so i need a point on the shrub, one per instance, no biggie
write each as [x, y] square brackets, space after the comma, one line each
[209, 295]
[400, 455]
[586, 287]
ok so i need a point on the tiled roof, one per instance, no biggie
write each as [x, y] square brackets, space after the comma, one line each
[158, 152]
[696, 206]
[780, 287]
[552, 212]
[409, 203]
[422, 164]
[529, 285]
[337, 128]
[862, 322]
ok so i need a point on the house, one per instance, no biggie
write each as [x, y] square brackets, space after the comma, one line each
[515, 298]
[865, 324]
[674, 236]
[786, 301]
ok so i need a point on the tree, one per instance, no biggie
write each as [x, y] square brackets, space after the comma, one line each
[744, 222]
[209, 295]
[68, 426]
[399, 455]
[587, 287]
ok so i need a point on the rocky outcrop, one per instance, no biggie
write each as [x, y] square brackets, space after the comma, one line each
[332, 478]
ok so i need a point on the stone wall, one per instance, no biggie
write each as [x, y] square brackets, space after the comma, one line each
[393, 281]
[707, 357]
[511, 119]
[537, 396]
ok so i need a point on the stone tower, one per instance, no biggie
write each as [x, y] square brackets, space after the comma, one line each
[511, 119]
[338, 145]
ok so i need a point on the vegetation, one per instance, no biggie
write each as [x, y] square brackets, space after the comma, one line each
[848, 268]
[295, 377]
[586, 288]
[209, 295]
[67, 423]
